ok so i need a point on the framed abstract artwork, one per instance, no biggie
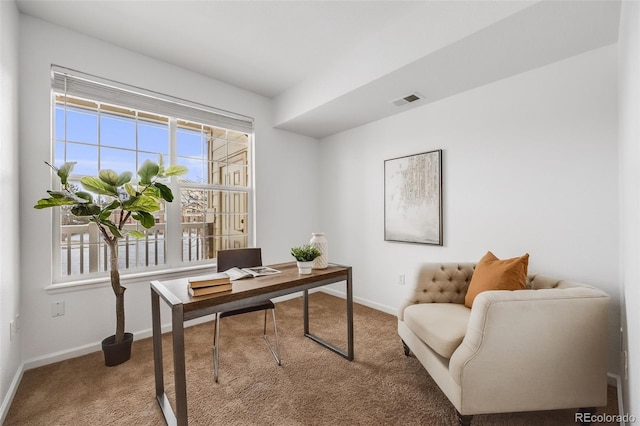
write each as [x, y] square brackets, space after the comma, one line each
[413, 198]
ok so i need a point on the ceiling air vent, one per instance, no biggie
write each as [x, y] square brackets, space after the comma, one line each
[407, 99]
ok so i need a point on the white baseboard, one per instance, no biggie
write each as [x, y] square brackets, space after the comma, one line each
[62, 355]
[11, 393]
[365, 302]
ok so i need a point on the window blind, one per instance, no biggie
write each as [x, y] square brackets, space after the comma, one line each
[74, 83]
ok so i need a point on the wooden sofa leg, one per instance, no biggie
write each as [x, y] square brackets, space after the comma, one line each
[406, 348]
[464, 420]
[585, 414]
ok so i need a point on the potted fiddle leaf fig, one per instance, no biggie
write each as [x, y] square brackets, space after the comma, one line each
[111, 200]
[304, 256]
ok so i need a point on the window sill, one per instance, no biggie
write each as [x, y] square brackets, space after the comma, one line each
[128, 279]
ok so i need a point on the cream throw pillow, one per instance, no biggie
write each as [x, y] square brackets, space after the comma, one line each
[492, 273]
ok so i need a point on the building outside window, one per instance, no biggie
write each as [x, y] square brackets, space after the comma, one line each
[105, 125]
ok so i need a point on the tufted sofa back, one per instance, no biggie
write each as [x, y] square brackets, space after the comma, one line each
[448, 283]
[443, 282]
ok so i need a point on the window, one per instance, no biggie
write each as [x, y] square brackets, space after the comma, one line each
[103, 125]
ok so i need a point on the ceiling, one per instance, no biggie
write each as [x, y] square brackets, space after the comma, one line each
[333, 65]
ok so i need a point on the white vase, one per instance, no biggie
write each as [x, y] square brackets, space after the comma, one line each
[304, 268]
[319, 241]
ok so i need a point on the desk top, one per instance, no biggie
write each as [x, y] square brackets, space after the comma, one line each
[175, 291]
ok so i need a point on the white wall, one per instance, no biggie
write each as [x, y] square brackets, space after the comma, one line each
[285, 213]
[629, 98]
[530, 165]
[10, 349]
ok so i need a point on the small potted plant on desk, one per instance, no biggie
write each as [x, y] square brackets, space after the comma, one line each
[305, 256]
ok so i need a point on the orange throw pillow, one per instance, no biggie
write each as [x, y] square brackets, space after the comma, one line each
[492, 273]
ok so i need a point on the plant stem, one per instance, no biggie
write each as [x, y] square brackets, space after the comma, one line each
[123, 219]
[118, 290]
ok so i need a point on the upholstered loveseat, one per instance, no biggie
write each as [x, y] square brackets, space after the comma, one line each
[539, 348]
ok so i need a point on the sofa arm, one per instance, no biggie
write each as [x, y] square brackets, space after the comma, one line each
[525, 345]
[438, 283]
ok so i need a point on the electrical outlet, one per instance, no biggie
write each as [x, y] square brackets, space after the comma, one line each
[401, 279]
[57, 309]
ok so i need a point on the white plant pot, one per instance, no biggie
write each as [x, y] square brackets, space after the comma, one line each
[304, 268]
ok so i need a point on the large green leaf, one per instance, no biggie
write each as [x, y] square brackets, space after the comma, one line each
[161, 166]
[148, 171]
[112, 227]
[65, 171]
[106, 211]
[58, 194]
[146, 219]
[52, 202]
[104, 214]
[108, 176]
[124, 177]
[131, 190]
[85, 210]
[165, 191]
[142, 203]
[60, 198]
[68, 196]
[114, 205]
[98, 186]
[137, 234]
[152, 191]
[85, 196]
[175, 171]
[112, 178]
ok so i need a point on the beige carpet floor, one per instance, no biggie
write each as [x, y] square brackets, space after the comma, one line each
[314, 386]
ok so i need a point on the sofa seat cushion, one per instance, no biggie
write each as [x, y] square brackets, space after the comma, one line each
[441, 326]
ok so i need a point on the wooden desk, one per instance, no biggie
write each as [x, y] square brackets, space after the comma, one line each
[245, 292]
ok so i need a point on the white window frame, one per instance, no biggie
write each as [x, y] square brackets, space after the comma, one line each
[97, 89]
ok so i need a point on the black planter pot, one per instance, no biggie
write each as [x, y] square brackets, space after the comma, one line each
[116, 354]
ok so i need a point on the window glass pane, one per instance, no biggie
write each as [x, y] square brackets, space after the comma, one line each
[217, 149]
[77, 242]
[58, 151]
[233, 242]
[117, 131]
[238, 153]
[143, 252]
[215, 173]
[189, 142]
[153, 137]
[236, 175]
[195, 174]
[59, 123]
[203, 224]
[238, 138]
[82, 125]
[86, 158]
[118, 160]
